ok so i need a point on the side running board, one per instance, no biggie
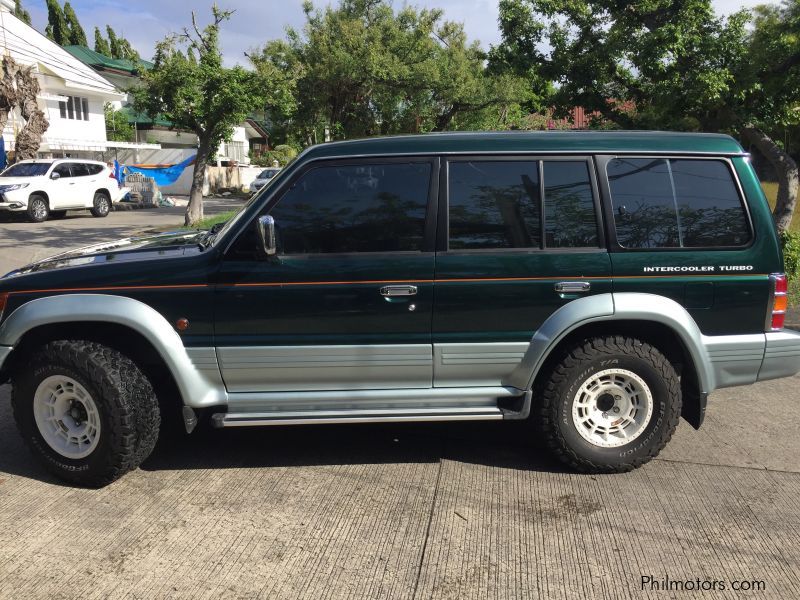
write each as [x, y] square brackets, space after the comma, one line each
[248, 419]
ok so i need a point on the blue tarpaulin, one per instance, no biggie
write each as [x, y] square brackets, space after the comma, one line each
[3, 157]
[163, 174]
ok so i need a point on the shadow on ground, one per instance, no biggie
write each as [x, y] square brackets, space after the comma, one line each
[503, 445]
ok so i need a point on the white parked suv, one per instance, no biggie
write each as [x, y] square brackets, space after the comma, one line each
[50, 187]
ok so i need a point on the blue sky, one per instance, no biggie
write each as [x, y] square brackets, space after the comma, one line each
[144, 22]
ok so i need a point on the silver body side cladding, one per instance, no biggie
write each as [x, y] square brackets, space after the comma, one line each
[199, 387]
[398, 399]
[309, 368]
[735, 359]
[782, 355]
[464, 365]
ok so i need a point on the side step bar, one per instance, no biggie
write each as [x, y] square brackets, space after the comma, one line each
[248, 419]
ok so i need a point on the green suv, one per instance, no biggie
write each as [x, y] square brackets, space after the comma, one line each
[600, 285]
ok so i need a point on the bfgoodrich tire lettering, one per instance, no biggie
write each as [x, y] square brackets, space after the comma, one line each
[128, 409]
[556, 396]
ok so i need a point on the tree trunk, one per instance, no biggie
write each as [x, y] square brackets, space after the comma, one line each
[786, 168]
[194, 212]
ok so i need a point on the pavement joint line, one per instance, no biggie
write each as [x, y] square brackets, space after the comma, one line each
[428, 528]
[702, 464]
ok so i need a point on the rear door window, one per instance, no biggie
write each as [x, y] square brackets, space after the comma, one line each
[80, 169]
[676, 203]
[497, 204]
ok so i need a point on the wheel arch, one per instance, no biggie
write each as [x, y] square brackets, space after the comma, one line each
[128, 325]
[658, 320]
[42, 193]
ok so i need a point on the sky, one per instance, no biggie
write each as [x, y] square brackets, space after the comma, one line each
[144, 22]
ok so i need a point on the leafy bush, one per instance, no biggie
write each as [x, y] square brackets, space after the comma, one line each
[791, 258]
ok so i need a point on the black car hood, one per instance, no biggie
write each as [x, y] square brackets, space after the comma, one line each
[148, 247]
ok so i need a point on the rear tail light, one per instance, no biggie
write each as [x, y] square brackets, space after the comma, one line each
[779, 301]
[111, 175]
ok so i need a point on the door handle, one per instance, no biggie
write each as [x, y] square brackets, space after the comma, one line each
[390, 291]
[573, 287]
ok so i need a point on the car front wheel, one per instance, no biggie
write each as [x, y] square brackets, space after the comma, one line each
[38, 209]
[101, 206]
[610, 405]
[86, 411]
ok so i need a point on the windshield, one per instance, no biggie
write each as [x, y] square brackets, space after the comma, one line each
[27, 170]
[268, 174]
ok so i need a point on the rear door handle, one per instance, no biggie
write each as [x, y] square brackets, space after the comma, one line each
[573, 287]
[390, 291]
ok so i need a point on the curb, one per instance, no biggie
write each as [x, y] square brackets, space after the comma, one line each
[123, 206]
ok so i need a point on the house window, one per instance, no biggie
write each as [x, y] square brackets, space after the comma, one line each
[235, 151]
[75, 108]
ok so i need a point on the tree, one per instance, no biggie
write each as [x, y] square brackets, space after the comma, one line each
[77, 36]
[361, 68]
[100, 43]
[22, 14]
[659, 64]
[118, 129]
[189, 87]
[119, 47]
[57, 28]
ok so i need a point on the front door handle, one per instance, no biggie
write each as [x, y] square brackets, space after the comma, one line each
[390, 291]
[573, 287]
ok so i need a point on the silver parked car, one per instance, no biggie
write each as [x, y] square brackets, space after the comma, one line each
[263, 178]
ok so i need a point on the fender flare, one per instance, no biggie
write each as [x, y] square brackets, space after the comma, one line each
[198, 388]
[615, 307]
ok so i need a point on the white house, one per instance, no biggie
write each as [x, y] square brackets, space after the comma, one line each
[72, 94]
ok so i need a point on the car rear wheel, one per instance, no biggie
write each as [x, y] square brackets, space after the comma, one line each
[86, 411]
[38, 209]
[102, 205]
[610, 405]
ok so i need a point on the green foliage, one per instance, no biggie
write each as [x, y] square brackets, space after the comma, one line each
[57, 28]
[100, 43]
[362, 68]
[791, 253]
[77, 36]
[282, 153]
[118, 129]
[119, 47]
[22, 14]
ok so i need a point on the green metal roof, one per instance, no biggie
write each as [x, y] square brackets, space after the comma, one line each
[103, 62]
[538, 141]
[143, 119]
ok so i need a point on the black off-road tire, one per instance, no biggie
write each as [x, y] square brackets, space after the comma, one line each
[38, 208]
[101, 205]
[555, 395]
[127, 407]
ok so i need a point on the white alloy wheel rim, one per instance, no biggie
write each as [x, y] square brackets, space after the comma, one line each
[612, 408]
[66, 416]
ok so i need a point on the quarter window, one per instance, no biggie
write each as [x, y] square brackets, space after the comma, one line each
[569, 210]
[355, 208]
[676, 203]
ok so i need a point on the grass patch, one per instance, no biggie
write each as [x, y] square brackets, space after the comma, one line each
[771, 191]
[209, 222]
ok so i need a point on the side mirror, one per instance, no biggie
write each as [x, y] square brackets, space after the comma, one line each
[55, 176]
[266, 235]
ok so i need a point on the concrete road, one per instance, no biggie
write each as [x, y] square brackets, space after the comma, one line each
[403, 511]
[22, 242]
[414, 511]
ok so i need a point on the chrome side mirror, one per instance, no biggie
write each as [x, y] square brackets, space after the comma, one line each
[266, 235]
